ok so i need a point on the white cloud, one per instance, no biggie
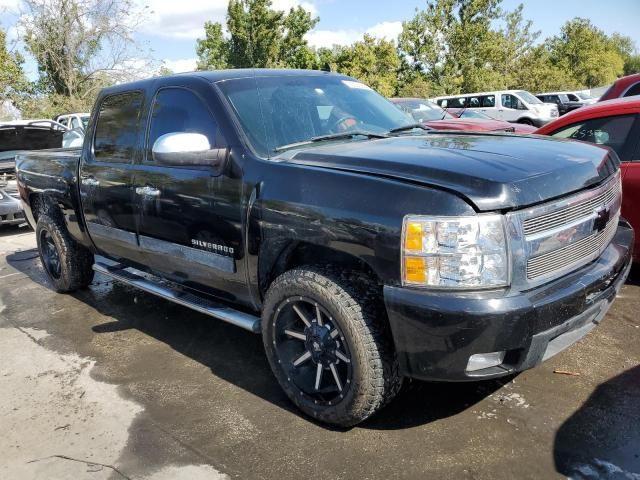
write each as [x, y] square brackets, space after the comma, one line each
[329, 38]
[388, 30]
[185, 20]
[180, 65]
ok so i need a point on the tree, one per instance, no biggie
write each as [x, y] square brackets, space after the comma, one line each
[628, 50]
[258, 36]
[81, 44]
[11, 74]
[374, 62]
[585, 51]
[213, 50]
[536, 72]
[447, 41]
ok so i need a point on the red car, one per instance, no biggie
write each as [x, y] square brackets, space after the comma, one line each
[432, 115]
[623, 87]
[467, 113]
[616, 124]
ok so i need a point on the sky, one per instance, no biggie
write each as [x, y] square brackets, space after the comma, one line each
[173, 27]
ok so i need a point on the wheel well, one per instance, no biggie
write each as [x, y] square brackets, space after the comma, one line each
[297, 254]
[40, 205]
[525, 120]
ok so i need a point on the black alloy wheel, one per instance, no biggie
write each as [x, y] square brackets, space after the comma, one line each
[312, 350]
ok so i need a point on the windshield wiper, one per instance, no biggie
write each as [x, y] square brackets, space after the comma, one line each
[405, 128]
[331, 136]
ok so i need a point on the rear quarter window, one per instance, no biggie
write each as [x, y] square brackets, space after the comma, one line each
[612, 132]
[117, 127]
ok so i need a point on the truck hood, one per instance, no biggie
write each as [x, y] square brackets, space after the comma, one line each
[492, 171]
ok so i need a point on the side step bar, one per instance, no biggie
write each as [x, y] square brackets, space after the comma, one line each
[189, 300]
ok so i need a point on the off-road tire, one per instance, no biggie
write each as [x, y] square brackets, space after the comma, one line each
[356, 306]
[76, 261]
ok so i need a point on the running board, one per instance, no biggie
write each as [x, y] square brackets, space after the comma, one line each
[189, 300]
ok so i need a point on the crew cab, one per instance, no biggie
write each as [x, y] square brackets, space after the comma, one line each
[306, 208]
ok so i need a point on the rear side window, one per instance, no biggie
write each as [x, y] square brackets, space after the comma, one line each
[117, 127]
[610, 131]
[180, 110]
[635, 90]
[488, 101]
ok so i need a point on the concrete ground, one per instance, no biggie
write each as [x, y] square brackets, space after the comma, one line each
[113, 383]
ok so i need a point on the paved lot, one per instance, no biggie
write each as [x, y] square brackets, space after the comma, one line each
[114, 383]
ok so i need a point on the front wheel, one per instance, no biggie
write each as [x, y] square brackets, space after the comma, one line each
[526, 121]
[328, 346]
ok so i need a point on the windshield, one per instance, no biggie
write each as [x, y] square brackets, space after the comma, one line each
[284, 110]
[528, 98]
[423, 110]
[467, 113]
[584, 96]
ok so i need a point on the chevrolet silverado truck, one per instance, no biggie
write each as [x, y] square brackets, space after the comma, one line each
[306, 208]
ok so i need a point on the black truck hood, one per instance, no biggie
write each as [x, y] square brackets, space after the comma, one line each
[494, 172]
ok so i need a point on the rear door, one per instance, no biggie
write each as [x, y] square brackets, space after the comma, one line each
[189, 216]
[105, 175]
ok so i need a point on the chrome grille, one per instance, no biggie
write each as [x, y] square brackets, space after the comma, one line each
[571, 213]
[555, 238]
[572, 254]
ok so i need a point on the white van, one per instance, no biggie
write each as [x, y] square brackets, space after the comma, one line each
[517, 106]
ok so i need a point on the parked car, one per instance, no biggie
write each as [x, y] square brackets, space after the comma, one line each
[581, 97]
[468, 113]
[305, 207]
[19, 135]
[565, 105]
[615, 124]
[517, 106]
[432, 116]
[74, 121]
[628, 86]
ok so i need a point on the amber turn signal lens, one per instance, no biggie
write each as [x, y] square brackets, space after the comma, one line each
[413, 237]
[415, 270]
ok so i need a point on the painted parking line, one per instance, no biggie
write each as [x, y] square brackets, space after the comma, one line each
[10, 275]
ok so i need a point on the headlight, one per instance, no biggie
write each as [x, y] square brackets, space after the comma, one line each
[455, 252]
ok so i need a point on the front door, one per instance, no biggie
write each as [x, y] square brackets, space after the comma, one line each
[189, 216]
[105, 176]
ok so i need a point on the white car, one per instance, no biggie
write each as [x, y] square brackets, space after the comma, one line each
[582, 97]
[516, 106]
[74, 121]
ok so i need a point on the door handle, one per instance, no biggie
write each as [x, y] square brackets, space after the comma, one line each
[90, 182]
[148, 191]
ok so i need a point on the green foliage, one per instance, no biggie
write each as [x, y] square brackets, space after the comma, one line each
[374, 62]
[213, 50]
[584, 50]
[11, 74]
[448, 41]
[632, 65]
[258, 36]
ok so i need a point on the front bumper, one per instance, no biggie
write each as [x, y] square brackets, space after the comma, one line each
[435, 333]
[10, 210]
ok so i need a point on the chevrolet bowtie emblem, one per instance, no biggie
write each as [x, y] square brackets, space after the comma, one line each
[602, 219]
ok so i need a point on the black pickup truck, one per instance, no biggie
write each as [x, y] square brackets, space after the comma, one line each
[306, 208]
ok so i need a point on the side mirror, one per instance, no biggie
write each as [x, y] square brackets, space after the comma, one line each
[183, 149]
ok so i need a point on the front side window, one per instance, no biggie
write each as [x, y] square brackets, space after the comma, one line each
[176, 110]
[117, 127]
[527, 97]
[278, 111]
[573, 97]
[610, 131]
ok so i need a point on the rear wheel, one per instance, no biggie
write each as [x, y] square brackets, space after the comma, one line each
[68, 264]
[328, 346]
